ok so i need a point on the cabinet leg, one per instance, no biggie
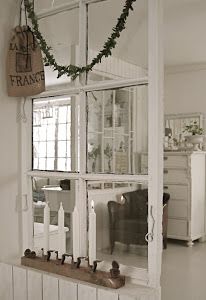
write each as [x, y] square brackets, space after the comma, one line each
[164, 243]
[190, 243]
[202, 239]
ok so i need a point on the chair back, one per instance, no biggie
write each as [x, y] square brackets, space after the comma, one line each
[136, 203]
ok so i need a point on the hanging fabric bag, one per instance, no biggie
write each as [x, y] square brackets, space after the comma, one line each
[25, 68]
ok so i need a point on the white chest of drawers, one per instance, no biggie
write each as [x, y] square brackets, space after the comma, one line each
[184, 180]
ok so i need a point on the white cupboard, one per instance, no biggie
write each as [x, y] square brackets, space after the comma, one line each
[184, 180]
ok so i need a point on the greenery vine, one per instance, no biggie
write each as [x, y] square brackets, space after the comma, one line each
[72, 70]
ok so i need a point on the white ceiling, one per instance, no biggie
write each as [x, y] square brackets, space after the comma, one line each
[184, 31]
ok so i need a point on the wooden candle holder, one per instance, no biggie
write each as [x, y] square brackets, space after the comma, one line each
[111, 280]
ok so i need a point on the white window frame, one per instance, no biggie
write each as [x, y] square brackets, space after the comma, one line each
[154, 179]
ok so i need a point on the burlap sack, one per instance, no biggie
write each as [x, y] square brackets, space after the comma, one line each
[25, 69]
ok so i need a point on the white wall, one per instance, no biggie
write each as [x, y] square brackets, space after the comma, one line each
[9, 224]
[185, 92]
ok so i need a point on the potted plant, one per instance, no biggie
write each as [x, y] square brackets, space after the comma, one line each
[109, 153]
[195, 136]
[93, 152]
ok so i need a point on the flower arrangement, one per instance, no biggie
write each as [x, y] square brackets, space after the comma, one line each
[93, 152]
[108, 151]
[194, 129]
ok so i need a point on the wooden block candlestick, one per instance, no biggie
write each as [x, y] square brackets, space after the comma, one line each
[111, 279]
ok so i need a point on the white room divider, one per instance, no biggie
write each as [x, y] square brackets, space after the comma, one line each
[20, 283]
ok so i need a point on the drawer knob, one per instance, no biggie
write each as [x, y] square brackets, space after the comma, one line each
[165, 157]
[166, 187]
[165, 171]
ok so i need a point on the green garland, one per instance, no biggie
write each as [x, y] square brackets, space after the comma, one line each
[72, 70]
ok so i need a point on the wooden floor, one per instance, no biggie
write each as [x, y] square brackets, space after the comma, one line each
[184, 272]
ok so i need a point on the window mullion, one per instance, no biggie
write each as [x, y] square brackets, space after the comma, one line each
[83, 32]
[56, 139]
[82, 197]
[83, 38]
[81, 203]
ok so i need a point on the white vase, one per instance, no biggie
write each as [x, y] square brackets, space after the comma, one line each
[195, 140]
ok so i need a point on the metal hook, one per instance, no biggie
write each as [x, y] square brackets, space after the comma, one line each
[26, 207]
[149, 237]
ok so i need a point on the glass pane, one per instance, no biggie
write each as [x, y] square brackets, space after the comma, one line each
[42, 164]
[46, 4]
[108, 155]
[129, 58]
[36, 163]
[68, 149]
[68, 131]
[121, 141]
[62, 115]
[40, 5]
[50, 149]
[36, 133]
[68, 164]
[94, 162]
[42, 149]
[122, 158]
[62, 132]
[63, 40]
[62, 149]
[108, 132]
[121, 222]
[95, 109]
[108, 100]
[61, 164]
[53, 191]
[54, 138]
[35, 149]
[50, 164]
[51, 132]
[42, 132]
[122, 111]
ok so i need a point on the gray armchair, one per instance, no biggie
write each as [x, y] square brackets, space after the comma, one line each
[128, 221]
